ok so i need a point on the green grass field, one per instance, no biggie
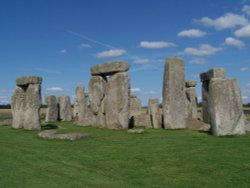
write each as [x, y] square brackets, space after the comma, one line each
[156, 158]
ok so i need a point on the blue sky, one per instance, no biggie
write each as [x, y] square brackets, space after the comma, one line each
[61, 39]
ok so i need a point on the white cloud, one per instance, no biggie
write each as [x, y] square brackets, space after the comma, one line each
[198, 61]
[64, 51]
[133, 90]
[141, 61]
[54, 89]
[192, 33]
[234, 42]
[155, 44]
[111, 53]
[243, 32]
[246, 9]
[84, 45]
[150, 92]
[229, 20]
[244, 69]
[244, 97]
[204, 49]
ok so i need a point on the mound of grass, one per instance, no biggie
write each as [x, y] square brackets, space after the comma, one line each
[156, 158]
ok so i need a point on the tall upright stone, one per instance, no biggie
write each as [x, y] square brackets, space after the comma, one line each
[153, 111]
[97, 90]
[117, 101]
[205, 78]
[65, 110]
[223, 102]
[52, 108]
[26, 103]
[80, 104]
[174, 94]
[135, 105]
[191, 100]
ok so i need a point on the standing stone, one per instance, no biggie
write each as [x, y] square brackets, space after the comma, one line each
[97, 90]
[153, 111]
[205, 78]
[174, 94]
[52, 108]
[223, 102]
[26, 103]
[135, 105]
[117, 101]
[191, 100]
[80, 103]
[65, 110]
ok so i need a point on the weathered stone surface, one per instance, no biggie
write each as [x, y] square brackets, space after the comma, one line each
[26, 80]
[142, 120]
[65, 110]
[174, 94]
[52, 108]
[225, 107]
[117, 101]
[205, 100]
[54, 134]
[135, 105]
[25, 104]
[136, 131]
[80, 104]
[191, 100]
[247, 125]
[153, 111]
[213, 73]
[191, 83]
[97, 90]
[194, 124]
[109, 68]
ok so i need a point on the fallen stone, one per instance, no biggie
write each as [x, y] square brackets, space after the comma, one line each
[109, 68]
[194, 124]
[54, 134]
[136, 131]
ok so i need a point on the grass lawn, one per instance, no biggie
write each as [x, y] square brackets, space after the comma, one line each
[156, 158]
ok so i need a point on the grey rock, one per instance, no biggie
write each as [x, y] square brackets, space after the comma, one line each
[109, 68]
[26, 80]
[80, 105]
[135, 105]
[117, 101]
[191, 100]
[54, 134]
[65, 110]
[194, 124]
[142, 120]
[52, 108]
[213, 73]
[153, 111]
[225, 107]
[247, 124]
[26, 103]
[191, 83]
[136, 131]
[174, 94]
[97, 91]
